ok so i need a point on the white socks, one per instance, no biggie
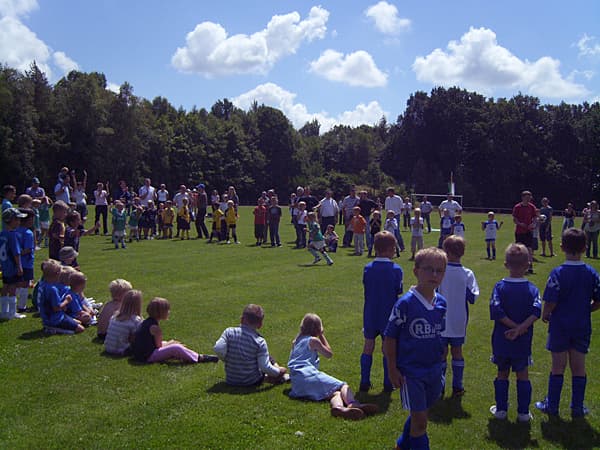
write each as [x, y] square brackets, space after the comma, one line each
[22, 297]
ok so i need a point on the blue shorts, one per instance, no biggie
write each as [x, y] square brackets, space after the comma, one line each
[452, 341]
[419, 394]
[67, 323]
[490, 240]
[562, 342]
[10, 280]
[516, 364]
[27, 274]
[372, 333]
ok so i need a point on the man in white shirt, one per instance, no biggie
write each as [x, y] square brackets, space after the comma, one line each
[394, 203]
[451, 205]
[147, 192]
[328, 211]
[426, 208]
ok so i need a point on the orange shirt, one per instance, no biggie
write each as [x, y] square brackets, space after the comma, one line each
[359, 224]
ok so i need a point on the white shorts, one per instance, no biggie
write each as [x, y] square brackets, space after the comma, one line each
[119, 234]
[44, 225]
[318, 245]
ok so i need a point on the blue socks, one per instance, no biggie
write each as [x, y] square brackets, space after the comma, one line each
[488, 253]
[403, 441]
[419, 443]
[578, 392]
[387, 384]
[501, 394]
[458, 368]
[366, 361]
[555, 384]
[523, 396]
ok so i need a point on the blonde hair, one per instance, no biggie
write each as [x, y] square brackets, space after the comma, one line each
[118, 287]
[65, 275]
[131, 305]
[516, 255]
[384, 242]
[51, 267]
[158, 308]
[430, 253]
[77, 278]
[454, 245]
[311, 325]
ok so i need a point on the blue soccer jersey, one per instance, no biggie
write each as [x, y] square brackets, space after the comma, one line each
[27, 241]
[382, 281]
[517, 299]
[9, 248]
[572, 286]
[417, 324]
[50, 299]
[446, 223]
[75, 305]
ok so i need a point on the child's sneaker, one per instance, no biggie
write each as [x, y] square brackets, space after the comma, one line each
[316, 260]
[330, 263]
[524, 418]
[364, 387]
[208, 358]
[578, 414]
[501, 415]
[544, 407]
[458, 392]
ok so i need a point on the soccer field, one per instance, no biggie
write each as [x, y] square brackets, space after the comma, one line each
[63, 392]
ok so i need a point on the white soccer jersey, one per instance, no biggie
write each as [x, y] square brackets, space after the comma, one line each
[458, 286]
[491, 229]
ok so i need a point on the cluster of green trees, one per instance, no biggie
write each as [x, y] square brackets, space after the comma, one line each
[495, 148]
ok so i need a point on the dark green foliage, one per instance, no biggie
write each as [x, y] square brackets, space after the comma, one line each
[494, 148]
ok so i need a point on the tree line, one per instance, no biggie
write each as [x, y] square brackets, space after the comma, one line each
[494, 147]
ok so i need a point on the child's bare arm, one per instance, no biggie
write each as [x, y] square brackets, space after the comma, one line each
[520, 329]
[156, 332]
[63, 304]
[389, 350]
[506, 321]
[321, 345]
[547, 311]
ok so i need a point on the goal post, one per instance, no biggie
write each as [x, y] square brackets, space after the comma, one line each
[435, 199]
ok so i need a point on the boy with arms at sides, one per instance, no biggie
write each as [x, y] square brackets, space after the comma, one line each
[245, 352]
[10, 260]
[412, 344]
[491, 227]
[359, 228]
[27, 243]
[572, 293]
[57, 229]
[273, 218]
[382, 281]
[459, 288]
[514, 307]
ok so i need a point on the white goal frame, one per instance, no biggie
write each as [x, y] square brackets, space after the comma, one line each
[417, 198]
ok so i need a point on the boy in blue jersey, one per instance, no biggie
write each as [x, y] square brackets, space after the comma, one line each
[10, 259]
[572, 293]
[52, 307]
[382, 281]
[446, 226]
[27, 242]
[413, 345]
[515, 305]
[459, 287]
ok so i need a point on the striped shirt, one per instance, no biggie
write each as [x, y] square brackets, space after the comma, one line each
[118, 333]
[246, 356]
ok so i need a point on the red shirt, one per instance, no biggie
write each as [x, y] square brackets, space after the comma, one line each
[524, 214]
[260, 215]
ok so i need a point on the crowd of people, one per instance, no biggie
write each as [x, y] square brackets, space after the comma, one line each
[419, 328]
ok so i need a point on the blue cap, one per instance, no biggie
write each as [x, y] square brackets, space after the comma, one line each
[200, 186]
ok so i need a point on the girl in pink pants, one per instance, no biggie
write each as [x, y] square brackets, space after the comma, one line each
[148, 345]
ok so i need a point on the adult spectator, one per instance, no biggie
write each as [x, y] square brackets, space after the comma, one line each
[310, 200]
[394, 203]
[147, 192]
[367, 206]
[101, 205]
[523, 214]
[202, 204]
[349, 202]
[79, 196]
[62, 190]
[591, 227]
[426, 208]
[451, 205]
[232, 195]
[328, 210]
[35, 191]
[162, 195]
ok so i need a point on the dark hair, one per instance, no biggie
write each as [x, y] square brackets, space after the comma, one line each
[573, 241]
[253, 314]
[8, 188]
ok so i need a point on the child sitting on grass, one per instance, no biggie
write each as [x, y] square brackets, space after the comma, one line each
[572, 293]
[412, 345]
[459, 287]
[331, 239]
[310, 383]
[124, 324]
[78, 308]
[514, 307]
[148, 345]
[52, 307]
[117, 289]
[245, 353]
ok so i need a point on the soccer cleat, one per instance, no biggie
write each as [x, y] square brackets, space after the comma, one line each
[364, 387]
[542, 406]
[458, 392]
[330, 263]
[524, 418]
[316, 260]
[578, 414]
[501, 415]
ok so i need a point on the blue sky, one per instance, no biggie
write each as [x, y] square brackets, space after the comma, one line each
[337, 61]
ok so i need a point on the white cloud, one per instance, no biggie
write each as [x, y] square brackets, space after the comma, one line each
[275, 96]
[15, 8]
[386, 18]
[65, 63]
[19, 46]
[477, 62]
[210, 52]
[113, 87]
[587, 46]
[355, 69]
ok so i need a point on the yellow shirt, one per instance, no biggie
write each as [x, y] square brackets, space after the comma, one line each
[168, 215]
[231, 216]
[184, 213]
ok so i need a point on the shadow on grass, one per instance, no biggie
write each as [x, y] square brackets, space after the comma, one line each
[511, 434]
[97, 340]
[383, 400]
[447, 410]
[223, 388]
[576, 434]
[34, 334]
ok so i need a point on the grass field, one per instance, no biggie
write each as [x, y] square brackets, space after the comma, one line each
[63, 392]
